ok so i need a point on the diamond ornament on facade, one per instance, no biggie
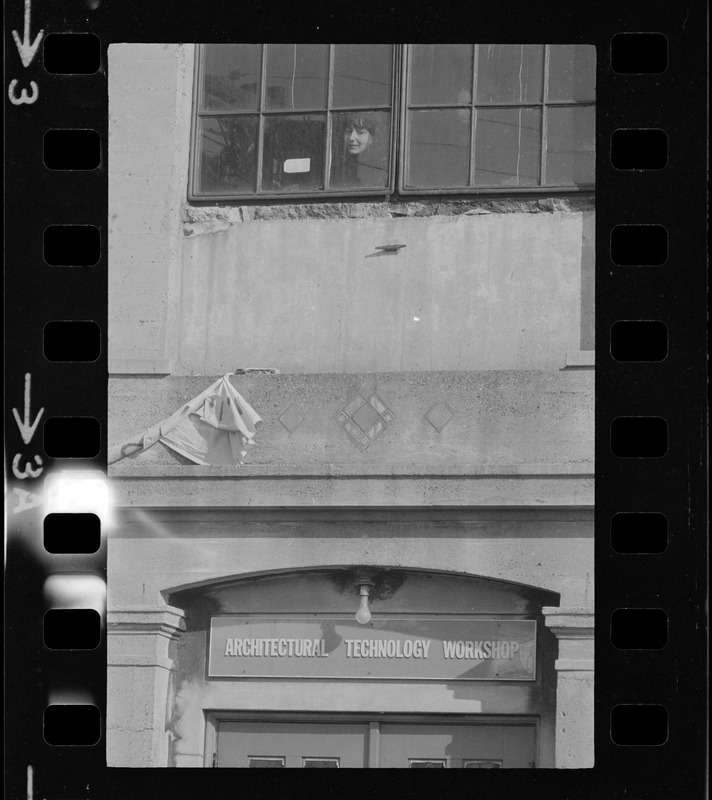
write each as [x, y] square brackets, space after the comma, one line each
[292, 417]
[365, 418]
[438, 415]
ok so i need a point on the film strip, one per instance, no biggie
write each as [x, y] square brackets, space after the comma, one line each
[650, 723]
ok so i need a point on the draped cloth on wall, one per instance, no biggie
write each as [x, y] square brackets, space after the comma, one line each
[213, 428]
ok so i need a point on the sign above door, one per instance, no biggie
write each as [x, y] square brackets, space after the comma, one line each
[389, 648]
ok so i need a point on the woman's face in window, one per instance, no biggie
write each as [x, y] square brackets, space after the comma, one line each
[357, 140]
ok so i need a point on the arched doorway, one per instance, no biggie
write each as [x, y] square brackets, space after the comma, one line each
[451, 671]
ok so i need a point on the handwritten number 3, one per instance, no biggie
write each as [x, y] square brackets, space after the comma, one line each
[24, 96]
[29, 471]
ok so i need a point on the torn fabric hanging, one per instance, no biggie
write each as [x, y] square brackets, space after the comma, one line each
[213, 428]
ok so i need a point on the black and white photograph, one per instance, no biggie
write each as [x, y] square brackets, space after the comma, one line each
[351, 405]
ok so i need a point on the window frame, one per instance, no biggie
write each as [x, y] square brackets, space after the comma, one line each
[403, 132]
[314, 195]
[398, 151]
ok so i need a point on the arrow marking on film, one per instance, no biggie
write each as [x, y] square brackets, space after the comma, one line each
[26, 48]
[27, 430]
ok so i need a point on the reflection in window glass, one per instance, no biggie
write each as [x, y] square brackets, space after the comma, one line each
[263, 762]
[572, 73]
[510, 73]
[439, 147]
[426, 763]
[231, 77]
[293, 153]
[321, 762]
[441, 74]
[507, 147]
[359, 153]
[570, 146]
[228, 158]
[362, 75]
[296, 76]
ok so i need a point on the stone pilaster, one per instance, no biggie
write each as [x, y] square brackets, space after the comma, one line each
[138, 674]
[573, 627]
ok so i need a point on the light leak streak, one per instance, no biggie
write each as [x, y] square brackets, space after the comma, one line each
[79, 492]
[75, 590]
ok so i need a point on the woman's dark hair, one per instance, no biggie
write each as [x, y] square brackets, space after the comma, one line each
[360, 121]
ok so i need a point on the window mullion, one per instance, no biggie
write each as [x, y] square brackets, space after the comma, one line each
[473, 117]
[394, 149]
[261, 123]
[544, 117]
[327, 131]
[404, 131]
[196, 134]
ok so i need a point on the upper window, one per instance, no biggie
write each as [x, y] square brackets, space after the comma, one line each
[326, 120]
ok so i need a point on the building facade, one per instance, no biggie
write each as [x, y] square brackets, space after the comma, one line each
[415, 332]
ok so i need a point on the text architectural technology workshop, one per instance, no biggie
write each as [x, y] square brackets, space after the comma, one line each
[370, 648]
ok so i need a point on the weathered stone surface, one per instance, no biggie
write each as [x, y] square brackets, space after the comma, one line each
[425, 207]
[501, 418]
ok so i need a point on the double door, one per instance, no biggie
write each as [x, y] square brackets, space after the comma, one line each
[418, 744]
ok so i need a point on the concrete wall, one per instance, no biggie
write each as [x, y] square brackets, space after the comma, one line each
[496, 291]
[548, 549]
[150, 97]
[302, 288]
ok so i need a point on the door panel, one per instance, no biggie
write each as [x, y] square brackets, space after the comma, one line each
[459, 746]
[277, 744]
[401, 745]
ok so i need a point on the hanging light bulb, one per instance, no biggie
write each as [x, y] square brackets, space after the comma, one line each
[363, 615]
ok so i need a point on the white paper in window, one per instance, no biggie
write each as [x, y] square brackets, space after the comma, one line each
[297, 165]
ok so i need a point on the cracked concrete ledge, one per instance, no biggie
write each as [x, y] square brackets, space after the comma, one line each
[198, 220]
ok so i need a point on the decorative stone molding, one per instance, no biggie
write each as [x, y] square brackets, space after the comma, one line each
[166, 621]
[569, 622]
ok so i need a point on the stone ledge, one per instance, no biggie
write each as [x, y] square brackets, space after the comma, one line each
[426, 491]
[199, 218]
[166, 621]
[580, 359]
[572, 622]
[123, 470]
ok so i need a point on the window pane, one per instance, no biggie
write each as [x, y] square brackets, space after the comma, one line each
[479, 764]
[296, 75]
[228, 154]
[293, 159]
[321, 762]
[572, 72]
[426, 763]
[359, 150]
[510, 73]
[362, 75]
[439, 144]
[231, 77]
[265, 762]
[570, 145]
[507, 147]
[441, 73]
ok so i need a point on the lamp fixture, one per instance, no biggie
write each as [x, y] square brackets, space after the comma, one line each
[363, 614]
